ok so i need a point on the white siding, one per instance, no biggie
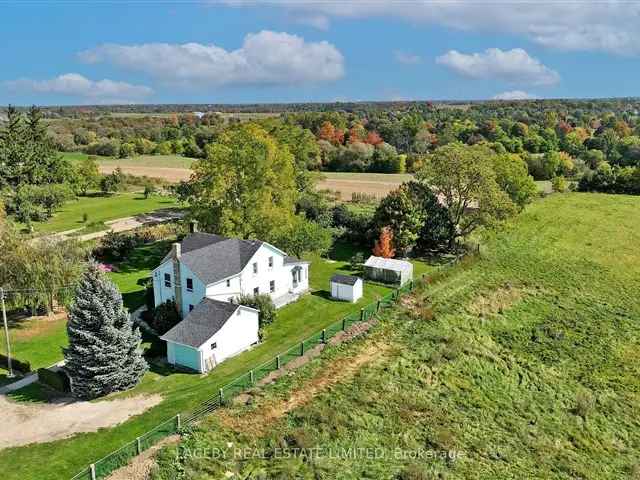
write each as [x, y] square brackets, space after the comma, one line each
[194, 297]
[279, 272]
[161, 293]
[350, 293]
[235, 336]
[220, 291]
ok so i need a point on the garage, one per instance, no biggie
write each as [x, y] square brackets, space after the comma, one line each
[346, 287]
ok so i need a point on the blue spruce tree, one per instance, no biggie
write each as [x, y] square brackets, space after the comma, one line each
[103, 354]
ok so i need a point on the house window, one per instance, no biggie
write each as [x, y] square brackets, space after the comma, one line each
[255, 267]
[214, 345]
[256, 290]
[190, 307]
[270, 262]
[189, 284]
[272, 286]
[167, 280]
[228, 282]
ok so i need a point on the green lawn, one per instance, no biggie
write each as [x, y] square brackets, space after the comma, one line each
[527, 362]
[181, 391]
[36, 340]
[101, 209]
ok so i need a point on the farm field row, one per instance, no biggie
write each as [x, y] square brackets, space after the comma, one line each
[524, 363]
[174, 168]
[183, 391]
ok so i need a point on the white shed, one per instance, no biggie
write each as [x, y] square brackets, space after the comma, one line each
[211, 333]
[345, 287]
[388, 270]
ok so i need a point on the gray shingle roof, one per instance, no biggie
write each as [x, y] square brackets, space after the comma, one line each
[202, 323]
[212, 257]
[344, 279]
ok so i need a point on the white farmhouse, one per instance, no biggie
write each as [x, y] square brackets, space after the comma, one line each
[206, 267]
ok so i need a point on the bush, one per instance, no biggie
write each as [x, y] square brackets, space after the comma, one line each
[263, 303]
[57, 380]
[559, 184]
[165, 317]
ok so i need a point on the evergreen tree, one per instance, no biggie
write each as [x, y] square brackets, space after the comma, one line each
[103, 355]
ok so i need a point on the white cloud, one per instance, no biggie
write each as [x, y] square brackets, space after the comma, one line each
[265, 58]
[407, 58]
[76, 85]
[512, 66]
[514, 95]
[587, 25]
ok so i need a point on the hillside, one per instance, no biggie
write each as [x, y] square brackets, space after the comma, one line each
[525, 363]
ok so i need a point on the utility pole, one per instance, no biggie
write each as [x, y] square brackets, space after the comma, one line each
[6, 332]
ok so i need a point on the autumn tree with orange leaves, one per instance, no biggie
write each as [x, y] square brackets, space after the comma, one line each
[384, 245]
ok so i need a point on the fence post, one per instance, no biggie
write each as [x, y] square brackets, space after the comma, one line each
[138, 446]
[378, 306]
[92, 469]
[344, 323]
[221, 393]
[324, 335]
[277, 362]
[178, 422]
[362, 314]
[397, 294]
[251, 377]
[301, 348]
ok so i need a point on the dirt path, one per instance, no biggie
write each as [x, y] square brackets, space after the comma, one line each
[139, 468]
[24, 423]
[268, 411]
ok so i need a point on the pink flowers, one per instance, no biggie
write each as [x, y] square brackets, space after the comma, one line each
[106, 267]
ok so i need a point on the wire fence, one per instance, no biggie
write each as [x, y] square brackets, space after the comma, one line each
[121, 457]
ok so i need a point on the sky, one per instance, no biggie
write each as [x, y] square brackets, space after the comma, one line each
[68, 52]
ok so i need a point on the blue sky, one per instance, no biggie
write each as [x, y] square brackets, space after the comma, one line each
[235, 51]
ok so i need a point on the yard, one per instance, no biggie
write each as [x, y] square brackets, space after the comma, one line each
[63, 458]
[101, 208]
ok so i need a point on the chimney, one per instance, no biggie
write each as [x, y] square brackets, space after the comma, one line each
[193, 226]
[176, 251]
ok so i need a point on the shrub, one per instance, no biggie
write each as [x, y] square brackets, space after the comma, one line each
[117, 245]
[22, 367]
[263, 303]
[58, 380]
[165, 317]
[585, 403]
[559, 184]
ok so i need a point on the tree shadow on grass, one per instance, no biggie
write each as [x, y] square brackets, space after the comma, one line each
[323, 294]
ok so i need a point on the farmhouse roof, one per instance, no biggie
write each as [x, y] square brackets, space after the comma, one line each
[388, 264]
[213, 257]
[202, 323]
[344, 279]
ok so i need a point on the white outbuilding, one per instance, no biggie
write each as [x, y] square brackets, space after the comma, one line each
[346, 287]
[388, 270]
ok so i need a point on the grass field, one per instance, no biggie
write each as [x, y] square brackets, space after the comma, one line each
[62, 459]
[101, 209]
[526, 363]
[37, 340]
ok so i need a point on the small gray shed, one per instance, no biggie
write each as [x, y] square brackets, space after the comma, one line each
[388, 270]
[346, 287]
